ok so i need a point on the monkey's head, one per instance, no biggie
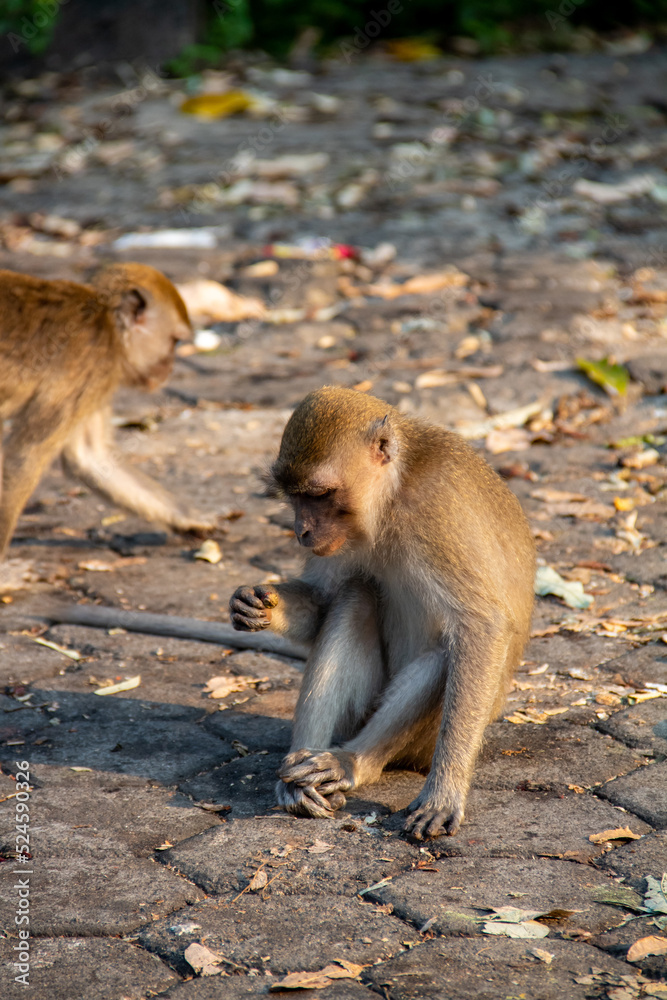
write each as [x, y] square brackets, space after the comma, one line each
[150, 318]
[336, 466]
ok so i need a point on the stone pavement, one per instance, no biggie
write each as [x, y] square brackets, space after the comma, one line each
[152, 821]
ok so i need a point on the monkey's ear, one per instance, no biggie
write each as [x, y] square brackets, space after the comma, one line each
[132, 308]
[383, 441]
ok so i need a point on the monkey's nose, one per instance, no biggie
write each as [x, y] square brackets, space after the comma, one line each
[303, 534]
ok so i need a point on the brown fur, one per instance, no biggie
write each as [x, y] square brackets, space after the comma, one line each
[64, 349]
[417, 619]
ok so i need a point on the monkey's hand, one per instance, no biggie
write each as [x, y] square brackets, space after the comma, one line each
[437, 809]
[314, 782]
[250, 608]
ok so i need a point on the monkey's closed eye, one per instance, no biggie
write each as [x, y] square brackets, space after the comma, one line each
[322, 494]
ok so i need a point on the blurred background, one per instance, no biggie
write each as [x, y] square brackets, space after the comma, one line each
[187, 35]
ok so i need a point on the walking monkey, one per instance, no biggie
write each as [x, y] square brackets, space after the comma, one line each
[64, 349]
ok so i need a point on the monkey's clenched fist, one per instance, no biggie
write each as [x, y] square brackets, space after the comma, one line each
[415, 602]
[313, 782]
[251, 607]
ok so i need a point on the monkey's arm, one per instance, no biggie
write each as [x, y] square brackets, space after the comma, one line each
[89, 456]
[293, 609]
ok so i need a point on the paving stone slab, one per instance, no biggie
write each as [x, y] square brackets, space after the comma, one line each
[463, 891]
[223, 860]
[76, 968]
[651, 568]
[528, 824]
[637, 859]
[145, 744]
[643, 726]
[460, 969]
[568, 650]
[256, 732]
[501, 823]
[81, 891]
[138, 814]
[77, 706]
[235, 987]
[644, 793]
[638, 666]
[553, 756]
[281, 934]
[617, 941]
[247, 784]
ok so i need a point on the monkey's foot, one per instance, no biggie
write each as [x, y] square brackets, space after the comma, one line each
[308, 801]
[251, 608]
[432, 815]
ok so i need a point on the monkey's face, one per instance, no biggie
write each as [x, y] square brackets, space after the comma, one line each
[150, 317]
[150, 338]
[321, 521]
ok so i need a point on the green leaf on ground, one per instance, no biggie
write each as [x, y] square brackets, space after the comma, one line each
[614, 379]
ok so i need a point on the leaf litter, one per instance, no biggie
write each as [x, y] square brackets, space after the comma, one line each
[338, 969]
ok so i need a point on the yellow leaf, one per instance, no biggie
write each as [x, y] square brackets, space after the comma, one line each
[412, 49]
[131, 682]
[620, 833]
[72, 653]
[112, 519]
[217, 105]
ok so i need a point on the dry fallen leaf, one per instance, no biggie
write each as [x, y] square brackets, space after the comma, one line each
[262, 269]
[544, 956]
[320, 847]
[220, 687]
[131, 682]
[208, 551]
[204, 961]
[73, 654]
[473, 429]
[421, 284]
[318, 980]
[206, 299]
[509, 439]
[97, 566]
[524, 929]
[258, 881]
[561, 503]
[652, 945]
[620, 833]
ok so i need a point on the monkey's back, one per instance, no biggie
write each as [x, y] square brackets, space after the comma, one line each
[53, 334]
[466, 520]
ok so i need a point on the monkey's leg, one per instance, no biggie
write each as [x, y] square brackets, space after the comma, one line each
[474, 668]
[88, 455]
[344, 676]
[409, 709]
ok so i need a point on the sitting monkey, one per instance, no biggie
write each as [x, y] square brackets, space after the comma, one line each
[416, 603]
[64, 350]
